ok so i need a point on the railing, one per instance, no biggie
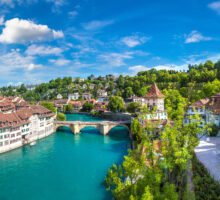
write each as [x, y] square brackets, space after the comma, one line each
[91, 122]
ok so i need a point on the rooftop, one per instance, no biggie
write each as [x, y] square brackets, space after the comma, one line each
[154, 92]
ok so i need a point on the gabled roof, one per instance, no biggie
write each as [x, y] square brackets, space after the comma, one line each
[200, 103]
[214, 104]
[154, 92]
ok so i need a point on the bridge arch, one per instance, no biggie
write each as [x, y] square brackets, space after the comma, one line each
[90, 126]
[63, 126]
[119, 125]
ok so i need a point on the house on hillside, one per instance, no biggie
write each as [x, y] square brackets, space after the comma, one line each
[154, 99]
[92, 86]
[59, 96]
[84, 86]
[74, 96]
[102, 92]
[140, 100]
[213, 110]
[86, 96]
[102, 98]
[199, 108]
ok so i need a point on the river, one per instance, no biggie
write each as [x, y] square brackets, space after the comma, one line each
[63, 165]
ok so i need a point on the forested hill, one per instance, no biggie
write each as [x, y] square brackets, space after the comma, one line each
[198, 81]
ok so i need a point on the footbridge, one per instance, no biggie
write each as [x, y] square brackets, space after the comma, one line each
[103, 126]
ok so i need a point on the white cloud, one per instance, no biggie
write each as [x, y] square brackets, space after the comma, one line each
[7, 2]
[22, 31]
[60, 61]
[33, 66]
[73, 14]
[116, 59]
[138, 68]
[1, 21]
[195, 36]
[215, 6]
[94, 25]
[132, 41]
[14, 60]
[57, 3]
[43, 50]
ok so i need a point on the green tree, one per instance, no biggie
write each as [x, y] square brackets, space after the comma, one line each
[133, 107]
[121, 81]
[128, 92]
[87, 107]
[136, 130]
[116, 104]
[49, 106]
[68, 108]
[175, 104]
[61, 117]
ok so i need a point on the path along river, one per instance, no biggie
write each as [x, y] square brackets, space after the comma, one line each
[63, 166]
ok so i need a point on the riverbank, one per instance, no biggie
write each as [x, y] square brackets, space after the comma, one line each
[73, 166]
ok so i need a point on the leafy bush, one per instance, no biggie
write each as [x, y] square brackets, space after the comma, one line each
[205, 187]
[214, 131]
[61, 117]
[87, 107]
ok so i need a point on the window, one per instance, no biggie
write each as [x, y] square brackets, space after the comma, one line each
[1, 144]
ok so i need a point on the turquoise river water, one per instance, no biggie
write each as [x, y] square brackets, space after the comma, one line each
[63, 166]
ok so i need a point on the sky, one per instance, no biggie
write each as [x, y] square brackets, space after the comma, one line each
[41, 40]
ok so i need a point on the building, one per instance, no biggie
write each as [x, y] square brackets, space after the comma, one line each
[140, 100]
[59, 104]
[213, 110]
[100, 85]
[92, 86]
[102, 98]
[30, 87]
[74, 96]
[107, 85]
[77, 105]
[24, 125]
[102, 92]
[153, 99]
[199, 108]
[84, 86]
[86, 96]
[59, 96]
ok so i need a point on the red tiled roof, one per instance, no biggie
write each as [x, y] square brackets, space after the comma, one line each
[42, 111]
[25, 113]
[200, 103]
[10, 120]
[214, 104]
[154, 92]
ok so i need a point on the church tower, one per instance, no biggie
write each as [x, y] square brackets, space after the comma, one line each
[154, 98]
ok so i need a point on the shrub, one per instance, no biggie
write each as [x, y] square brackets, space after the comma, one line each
[61, 117]
[214, 131]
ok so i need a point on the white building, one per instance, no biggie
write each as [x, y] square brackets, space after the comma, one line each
[84, 86]
[207, 109]
[154, 98]
[199, 108]
[59, 96]
[86, 96]
[25, 125]
[102, 93]
[74, 96]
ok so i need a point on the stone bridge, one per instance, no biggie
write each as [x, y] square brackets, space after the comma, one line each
[103, 126]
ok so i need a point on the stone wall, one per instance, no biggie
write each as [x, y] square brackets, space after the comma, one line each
[117, 116]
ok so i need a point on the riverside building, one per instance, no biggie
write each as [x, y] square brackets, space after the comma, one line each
[22, 123]
[153, 99]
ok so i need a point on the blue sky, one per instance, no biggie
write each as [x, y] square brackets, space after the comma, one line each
[45, 39]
